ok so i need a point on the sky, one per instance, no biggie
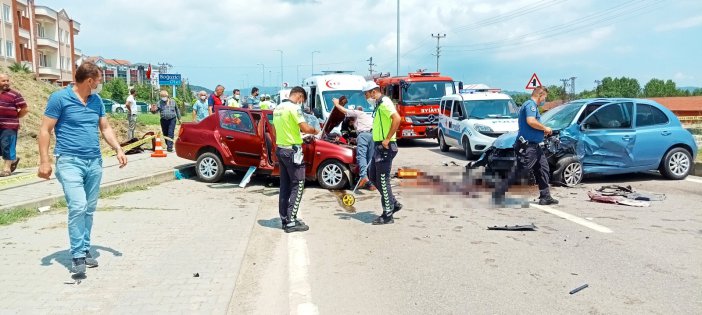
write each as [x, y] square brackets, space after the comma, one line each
[498, 43]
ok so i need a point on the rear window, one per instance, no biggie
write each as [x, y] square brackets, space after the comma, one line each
[647, 115]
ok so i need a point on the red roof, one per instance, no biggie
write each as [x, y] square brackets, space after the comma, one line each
[681, 104]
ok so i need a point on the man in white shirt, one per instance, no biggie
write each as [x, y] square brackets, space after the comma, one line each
[131, 113]
[365, 147]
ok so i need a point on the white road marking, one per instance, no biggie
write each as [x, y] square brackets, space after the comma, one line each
[694, 180]
[300, 290]
[572, 218]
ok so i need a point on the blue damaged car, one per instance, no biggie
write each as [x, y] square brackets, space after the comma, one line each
[605, 136]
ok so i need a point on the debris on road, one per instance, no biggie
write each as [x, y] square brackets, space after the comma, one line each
[44, 209]
[408, 173]
[578, 289]
[528, 227]
[196, 275]
[452, 163]
[618, 200]
[453, 217]
[247, 177]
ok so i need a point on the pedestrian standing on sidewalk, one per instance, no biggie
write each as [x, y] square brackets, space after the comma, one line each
[12, 108]
[200, 109]
[386, 120]
[169, 115]
[131, 113]
[235, 101]
[74, 114]
[216, 99]
[365, 146]
[289, 123]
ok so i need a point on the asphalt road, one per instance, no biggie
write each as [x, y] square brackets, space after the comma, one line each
[439, 258]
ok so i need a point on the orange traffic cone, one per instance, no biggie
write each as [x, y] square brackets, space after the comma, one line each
[158, 148]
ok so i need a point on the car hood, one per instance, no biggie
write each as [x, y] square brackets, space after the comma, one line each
[569, 141]
[505, 141]
[498, 125]
[335, 118]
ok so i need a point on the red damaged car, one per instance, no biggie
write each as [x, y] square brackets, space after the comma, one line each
[237, 138]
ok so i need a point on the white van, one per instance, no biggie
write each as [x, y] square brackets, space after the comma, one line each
[322, 89]
[474, 118]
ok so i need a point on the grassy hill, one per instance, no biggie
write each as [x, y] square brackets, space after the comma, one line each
[36, 93]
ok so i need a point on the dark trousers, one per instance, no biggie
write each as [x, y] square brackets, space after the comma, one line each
[292, 183]
[529, 157]
[379, 174]
[168, 129]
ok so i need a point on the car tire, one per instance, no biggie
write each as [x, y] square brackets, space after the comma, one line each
[119, 110]
[442, 143]
[569, 171]
[467, 151]
[331, 174]
[676, 164]
[209, 167]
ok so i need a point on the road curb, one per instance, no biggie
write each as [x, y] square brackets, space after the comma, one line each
[151, 179]
[698, 169]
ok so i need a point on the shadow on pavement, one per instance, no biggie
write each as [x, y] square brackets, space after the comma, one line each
[64, 257]
[273, 223]
[417, 143]
[623, 178]
[365, 217]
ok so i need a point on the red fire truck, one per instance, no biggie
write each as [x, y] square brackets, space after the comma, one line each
[417, 98]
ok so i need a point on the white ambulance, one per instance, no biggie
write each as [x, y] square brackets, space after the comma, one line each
[322, 89]
[474, 118]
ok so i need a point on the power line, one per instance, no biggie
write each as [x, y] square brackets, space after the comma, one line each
[438, 48]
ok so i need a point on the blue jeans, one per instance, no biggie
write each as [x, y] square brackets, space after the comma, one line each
[80, 179]
[8, 142]
[168, 128]
[364, 152]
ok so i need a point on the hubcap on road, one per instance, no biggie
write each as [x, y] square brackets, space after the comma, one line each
[208, 167]
[332, 174]
[572, 174]
[679, 164]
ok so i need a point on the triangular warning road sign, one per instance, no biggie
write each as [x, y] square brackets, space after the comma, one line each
[533, 82]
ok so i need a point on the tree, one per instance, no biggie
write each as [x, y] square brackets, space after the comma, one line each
[520, 98]
[144, 92]
[18, 67]
[654, 88]
[115, 89]
[555, 92]
[620, 87]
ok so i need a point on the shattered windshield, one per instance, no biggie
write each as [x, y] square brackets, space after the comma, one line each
[562, 116]
[426, 92]
[485, 109]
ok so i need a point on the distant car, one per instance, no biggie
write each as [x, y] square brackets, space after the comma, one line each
[474, 118]
[112, 105]
[122, 108]
[238, 138]
[606, 136]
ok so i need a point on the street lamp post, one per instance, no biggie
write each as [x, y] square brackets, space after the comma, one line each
[314, 52]
[263, 74]
[281, 66]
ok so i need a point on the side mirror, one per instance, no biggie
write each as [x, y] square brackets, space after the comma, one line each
[460, 85]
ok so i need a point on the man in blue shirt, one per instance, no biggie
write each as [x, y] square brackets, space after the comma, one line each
[75, 114]
[530, 156]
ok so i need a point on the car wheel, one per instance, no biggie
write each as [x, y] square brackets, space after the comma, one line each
[209, 167]
[467, 151]
[442, 143]
[332, 175]
[569, 171]
[677, 164]
[119, 110]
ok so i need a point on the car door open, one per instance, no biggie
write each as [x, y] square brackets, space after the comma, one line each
[239, 134]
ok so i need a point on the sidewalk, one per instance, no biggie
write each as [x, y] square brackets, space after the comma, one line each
[141, 169]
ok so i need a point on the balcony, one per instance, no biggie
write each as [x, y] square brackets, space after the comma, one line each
[49, 72]
[47, 42]
[22, 2]
[41, 11]
[76, 27]
[24, 33]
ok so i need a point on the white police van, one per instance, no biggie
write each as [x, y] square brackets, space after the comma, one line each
[474, 118]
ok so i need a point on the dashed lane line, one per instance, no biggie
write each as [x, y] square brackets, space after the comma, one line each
[575, 219]
[300, 290]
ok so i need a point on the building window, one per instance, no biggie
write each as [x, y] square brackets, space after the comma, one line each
[43, 60]
[9, 49]
[40, 30]
[6, 13]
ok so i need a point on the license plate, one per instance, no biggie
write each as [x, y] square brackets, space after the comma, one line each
[408, 132]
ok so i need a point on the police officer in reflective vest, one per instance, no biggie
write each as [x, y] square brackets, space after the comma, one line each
[386, 120]
[289, 122]
[530, 155]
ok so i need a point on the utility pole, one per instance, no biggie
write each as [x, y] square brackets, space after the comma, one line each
[597, 87]
[438, 48]
[398, 38]
[565, 89]
[572, 87]
[370, 66]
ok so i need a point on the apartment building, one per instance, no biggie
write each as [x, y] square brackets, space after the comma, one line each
[39, 37]
[132, 73]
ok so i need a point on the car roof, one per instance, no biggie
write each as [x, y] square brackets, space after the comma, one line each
[477, 96]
